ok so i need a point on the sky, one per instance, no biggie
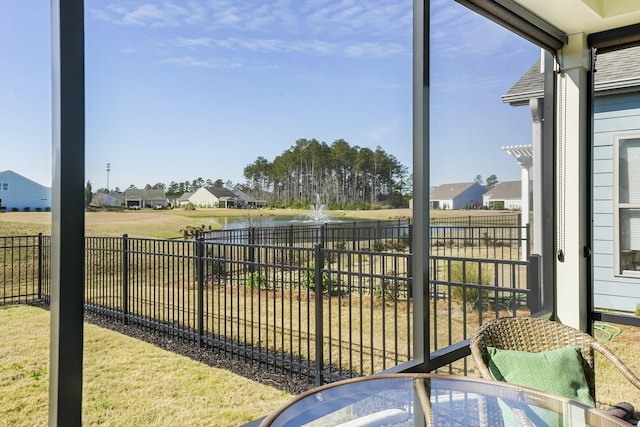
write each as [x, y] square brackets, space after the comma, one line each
[179, 90]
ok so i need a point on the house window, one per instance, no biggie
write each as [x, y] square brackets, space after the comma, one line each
[4, 186]
[627, 204]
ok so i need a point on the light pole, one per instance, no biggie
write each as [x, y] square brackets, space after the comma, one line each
[108, 170]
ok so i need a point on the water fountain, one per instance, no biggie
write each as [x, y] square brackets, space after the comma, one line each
[317, 212]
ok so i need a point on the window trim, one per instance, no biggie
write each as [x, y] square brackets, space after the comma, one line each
[617, 206]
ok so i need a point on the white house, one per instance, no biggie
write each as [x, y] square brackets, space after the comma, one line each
[213, 197]
[22, 194]
[457, 196]
[505, 195]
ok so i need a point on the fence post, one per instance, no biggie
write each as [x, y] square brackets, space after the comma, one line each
[200, 278]
[125, 279]
[319, 262]
[39, 265]
[534, 283]
[528, 241]
[410, 263]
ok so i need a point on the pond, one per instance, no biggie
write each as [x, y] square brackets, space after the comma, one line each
[234, 223]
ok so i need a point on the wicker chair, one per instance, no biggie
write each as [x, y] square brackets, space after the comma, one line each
[536, 335]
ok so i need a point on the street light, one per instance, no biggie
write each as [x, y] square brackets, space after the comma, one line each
[108, 170]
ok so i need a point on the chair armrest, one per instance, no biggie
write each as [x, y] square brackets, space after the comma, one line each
[622, 368]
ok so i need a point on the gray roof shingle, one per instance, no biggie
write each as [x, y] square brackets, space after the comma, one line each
[449, 191]
[507, 190]
[617, 71]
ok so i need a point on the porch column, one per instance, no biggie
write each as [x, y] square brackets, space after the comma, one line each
[571, 182]
[524, 156]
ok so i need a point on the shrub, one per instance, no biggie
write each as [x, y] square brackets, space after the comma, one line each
[14, 209]
[38, 209]
[256, 280]
[215, 269]
[26, 209]
[385, 288]
[467, 273]
[189, 207]
[379, 246]
[308, 281]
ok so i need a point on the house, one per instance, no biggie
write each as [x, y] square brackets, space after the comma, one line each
[457, 196]
[19, 193]
[505, 195]
[183, 199]
[214, 197]
[246, 200]
[111, 199]
[614, 173]
[140, 199]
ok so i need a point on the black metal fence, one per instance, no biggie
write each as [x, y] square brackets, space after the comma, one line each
[320, 303]
[24, 268]
[478, 220]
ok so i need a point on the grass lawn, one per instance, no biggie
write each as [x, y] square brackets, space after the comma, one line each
[163, 224]
[126, 382]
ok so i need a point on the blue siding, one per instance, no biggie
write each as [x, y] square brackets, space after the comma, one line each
[23, 193]
[613, 115]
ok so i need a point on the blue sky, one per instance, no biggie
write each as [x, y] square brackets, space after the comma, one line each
[177, 90]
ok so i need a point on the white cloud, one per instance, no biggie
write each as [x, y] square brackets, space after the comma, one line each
[345, 28]
[193, 42]
[374, 50]
[456, 30]
[189, 61]
[160, 14]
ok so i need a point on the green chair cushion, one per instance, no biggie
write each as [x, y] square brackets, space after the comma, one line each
[557, 371]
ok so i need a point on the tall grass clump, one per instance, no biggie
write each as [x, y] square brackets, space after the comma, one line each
[468, 273]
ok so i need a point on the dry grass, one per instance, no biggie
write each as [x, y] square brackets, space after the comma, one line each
[143, 385]
[163, 223]
[612, 387]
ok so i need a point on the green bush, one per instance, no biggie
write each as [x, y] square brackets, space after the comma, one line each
[189, 207]
[256, 280]
[308, 281]
[379, 246]
[467, 273]
[385, 288]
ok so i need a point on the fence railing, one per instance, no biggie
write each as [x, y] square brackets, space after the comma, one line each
[24, 268]
[478, 220]
[319, 309]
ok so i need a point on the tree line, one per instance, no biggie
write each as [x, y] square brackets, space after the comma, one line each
[341, 175]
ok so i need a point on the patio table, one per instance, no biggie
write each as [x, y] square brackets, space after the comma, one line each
[432, 400]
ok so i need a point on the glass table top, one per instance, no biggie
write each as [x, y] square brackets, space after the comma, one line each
[432, 400]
